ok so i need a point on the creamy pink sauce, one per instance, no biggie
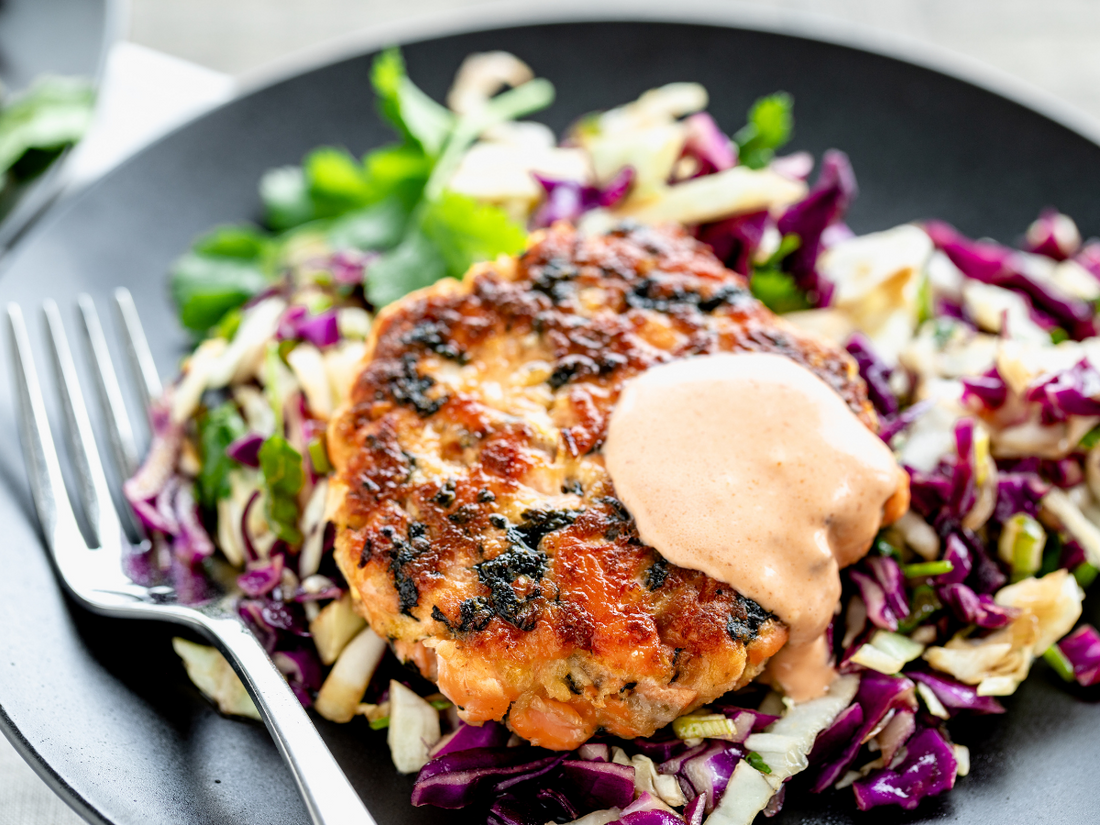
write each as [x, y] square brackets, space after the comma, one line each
[751, 469]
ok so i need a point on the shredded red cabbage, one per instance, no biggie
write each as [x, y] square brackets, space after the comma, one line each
[596, 785]
[1082, 648]
[349, 265]
[928, 769]
[567, 200]
[1054, 235]
[875, 373]
[880, 609]
[887, 573]
[246, 450]
[735, 240]
[955, 696]
[464, 777]
[466, 737]
[1070, 392]
[956, 552]
[1089, 258]
[975, 608]
[796, 166]
[1018, 492]
[707, 773]
[826, 205]
[837, 736]
[878, 695]
[261, 577]
[891, 425]
[988, 389]
[712, 150]
[992, 263]
[320, 330]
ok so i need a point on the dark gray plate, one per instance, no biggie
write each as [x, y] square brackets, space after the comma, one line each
[103, 709]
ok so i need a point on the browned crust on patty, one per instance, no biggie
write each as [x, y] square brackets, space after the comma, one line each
[476, 523]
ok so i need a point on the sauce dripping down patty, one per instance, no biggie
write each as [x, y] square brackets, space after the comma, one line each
[752, 470]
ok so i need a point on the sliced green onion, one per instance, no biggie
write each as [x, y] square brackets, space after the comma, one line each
[1090, 439]
[380, 724]
[1057, 660]
[926, 308]
[318, 302]
[708, 726]
[286, 346]
[755, 760]
[1021, 545]
[923, 604]
[1085, 574]
[1052, 554]
[885, 548]
[230, 322]
[440, 704]
[927, 568]
[318, 454]
[981, 454]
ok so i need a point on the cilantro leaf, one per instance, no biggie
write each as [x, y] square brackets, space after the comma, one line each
[281, 466]
[285, 196]
[448, 236]
[378, 226]
[218, 428]
[769, 128]
[51, 115]
[225, 268]
[234, 241]
[205, 288]
[415, 115]
[399, 171]
[777, 291]
[336, 182]
[466, 231]
[331, 183]
[415, 263]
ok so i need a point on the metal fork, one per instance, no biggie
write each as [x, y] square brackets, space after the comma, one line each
[94, 576]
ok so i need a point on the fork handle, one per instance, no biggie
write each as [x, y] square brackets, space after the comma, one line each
[328, 795]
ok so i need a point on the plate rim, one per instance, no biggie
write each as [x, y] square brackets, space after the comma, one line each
[504, 14]
[735, 14]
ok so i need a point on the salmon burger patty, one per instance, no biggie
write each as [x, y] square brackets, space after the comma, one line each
[475, 520]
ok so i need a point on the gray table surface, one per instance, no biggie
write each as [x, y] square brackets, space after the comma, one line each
[1053, 45]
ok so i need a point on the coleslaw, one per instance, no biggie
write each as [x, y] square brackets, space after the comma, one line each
[982, 362]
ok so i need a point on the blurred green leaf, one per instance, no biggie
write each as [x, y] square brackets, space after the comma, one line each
[465, 231]
[240, 241]
[771, 121]
[413, 264]
[336, 182]
[415, 115]
[378, 226]
[205, 288]
[283, 474]
[218, 428]
[285, 195]
[54, 113]
[777, 291]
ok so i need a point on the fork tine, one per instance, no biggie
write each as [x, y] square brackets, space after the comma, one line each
[120, 429]
[141, 358]
[55, 512]
[92, 481]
